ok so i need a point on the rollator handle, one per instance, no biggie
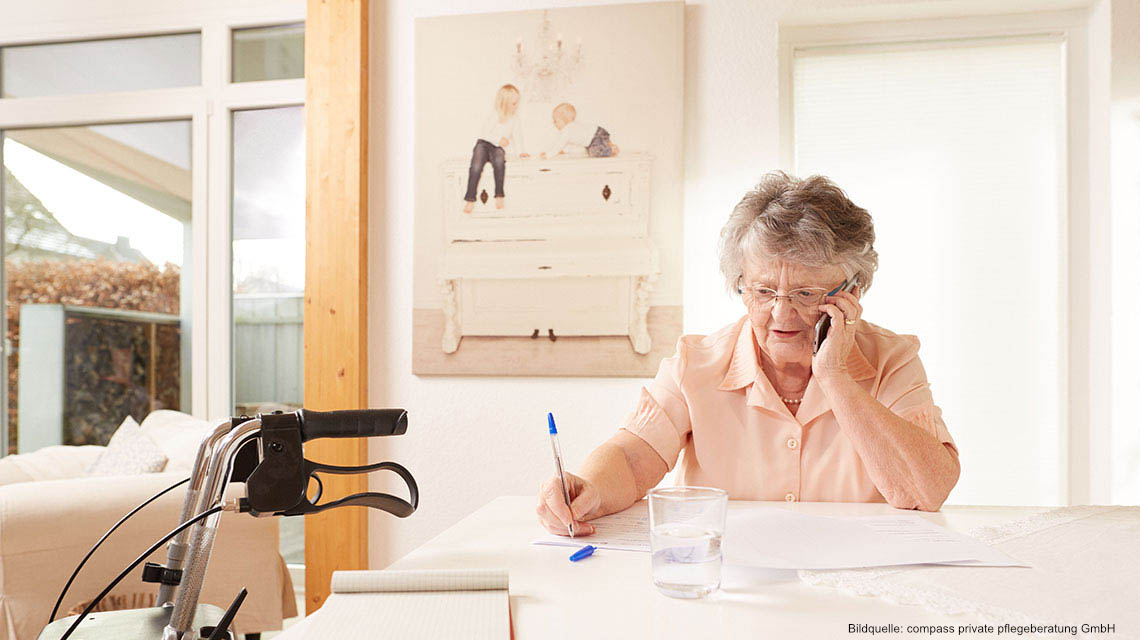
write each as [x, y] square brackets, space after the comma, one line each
[352, 423]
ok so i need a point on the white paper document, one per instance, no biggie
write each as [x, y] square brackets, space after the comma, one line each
[623, 531]
[781, 539]
[774, 538]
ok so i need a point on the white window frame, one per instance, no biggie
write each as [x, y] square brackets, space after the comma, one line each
[209, 107]
[1084, 389]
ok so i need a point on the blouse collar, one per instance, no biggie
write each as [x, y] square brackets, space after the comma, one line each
[744, 370]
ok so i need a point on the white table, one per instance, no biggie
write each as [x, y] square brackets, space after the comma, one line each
[611, 595]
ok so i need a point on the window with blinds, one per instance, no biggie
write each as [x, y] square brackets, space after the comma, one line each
[957, 148]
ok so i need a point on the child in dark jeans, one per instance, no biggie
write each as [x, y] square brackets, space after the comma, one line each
[500, 130]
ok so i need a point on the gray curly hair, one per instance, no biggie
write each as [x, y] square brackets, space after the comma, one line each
[810, 221]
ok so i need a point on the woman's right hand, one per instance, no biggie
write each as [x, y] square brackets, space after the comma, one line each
[552, 511]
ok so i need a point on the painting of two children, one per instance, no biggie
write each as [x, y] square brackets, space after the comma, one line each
[501, 131]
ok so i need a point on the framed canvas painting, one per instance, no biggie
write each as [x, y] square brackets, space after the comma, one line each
[548, 191]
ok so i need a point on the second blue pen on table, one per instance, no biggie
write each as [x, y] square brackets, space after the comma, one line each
[583, 553]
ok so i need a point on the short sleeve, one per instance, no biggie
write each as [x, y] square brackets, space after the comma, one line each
[661, 417]
[905, 391]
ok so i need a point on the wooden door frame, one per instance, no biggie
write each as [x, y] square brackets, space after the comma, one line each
[336, 270]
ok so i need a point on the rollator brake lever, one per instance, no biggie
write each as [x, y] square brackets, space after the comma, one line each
[374, 500]
[278, 485]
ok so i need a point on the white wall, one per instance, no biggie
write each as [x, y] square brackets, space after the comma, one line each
[473, 439]
[1125, 50]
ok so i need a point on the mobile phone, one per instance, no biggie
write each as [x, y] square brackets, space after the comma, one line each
[824, 323]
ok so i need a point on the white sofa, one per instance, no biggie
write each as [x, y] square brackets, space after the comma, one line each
[51, 513]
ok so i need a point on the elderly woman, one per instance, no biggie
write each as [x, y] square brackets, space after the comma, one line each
[753, 408]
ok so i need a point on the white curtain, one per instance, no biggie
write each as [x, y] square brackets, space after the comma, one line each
[957, 149]
[1125, 302]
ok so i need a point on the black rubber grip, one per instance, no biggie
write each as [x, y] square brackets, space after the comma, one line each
[353, 423]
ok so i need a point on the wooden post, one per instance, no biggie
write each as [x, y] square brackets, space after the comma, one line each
[336, 269]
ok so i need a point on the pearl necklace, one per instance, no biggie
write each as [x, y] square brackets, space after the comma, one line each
[791, 401]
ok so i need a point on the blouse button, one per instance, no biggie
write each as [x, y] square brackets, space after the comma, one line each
[791, 497]
[793, 443]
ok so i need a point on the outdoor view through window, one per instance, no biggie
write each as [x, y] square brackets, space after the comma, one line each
[269, 271]
[97, 230]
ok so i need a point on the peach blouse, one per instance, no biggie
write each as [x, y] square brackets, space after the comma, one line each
[712, 401]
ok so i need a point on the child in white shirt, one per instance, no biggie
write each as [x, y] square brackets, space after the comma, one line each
[500, 130]
[594, 139]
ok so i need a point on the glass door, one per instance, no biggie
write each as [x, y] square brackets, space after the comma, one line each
[269, 271]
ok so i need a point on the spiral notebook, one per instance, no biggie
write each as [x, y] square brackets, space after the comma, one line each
[469, 604]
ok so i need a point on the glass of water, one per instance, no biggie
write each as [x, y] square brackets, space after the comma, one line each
[686, 525]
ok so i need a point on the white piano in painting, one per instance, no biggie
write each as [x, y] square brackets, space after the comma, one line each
[568, 255]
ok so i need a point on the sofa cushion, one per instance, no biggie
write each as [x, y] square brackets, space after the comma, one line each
[129, 453]
[57, 462]
[178, 435]
[11, 473]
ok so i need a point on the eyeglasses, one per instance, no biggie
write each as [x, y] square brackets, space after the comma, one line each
[807, 298]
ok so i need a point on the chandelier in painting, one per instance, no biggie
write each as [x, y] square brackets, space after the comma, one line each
[547, 63]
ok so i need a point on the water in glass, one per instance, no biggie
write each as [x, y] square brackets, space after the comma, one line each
[686, 559]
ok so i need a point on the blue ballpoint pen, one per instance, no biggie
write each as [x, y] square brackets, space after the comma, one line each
[583, 553]
[558, 466]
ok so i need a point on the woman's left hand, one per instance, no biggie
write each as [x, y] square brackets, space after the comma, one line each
[831, 361]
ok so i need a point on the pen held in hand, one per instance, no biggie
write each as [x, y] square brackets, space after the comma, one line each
[558, 468]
